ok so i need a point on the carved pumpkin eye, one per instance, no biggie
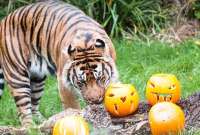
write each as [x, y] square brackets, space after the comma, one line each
[111, 95]
[100, 43]
[172, 87]
[152, 85]
[132, 93]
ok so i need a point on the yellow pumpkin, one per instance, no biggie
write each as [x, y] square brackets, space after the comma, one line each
[166, 118]
[71, 125]
[121, 99]
[163, 87]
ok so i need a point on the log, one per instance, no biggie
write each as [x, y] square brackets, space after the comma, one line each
[101, 120]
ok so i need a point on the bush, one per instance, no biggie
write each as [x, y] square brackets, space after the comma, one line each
[117, 16]
[132, 16]
[7, 6]
[196, 9]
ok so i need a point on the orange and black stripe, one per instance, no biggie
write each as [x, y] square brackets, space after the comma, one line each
[34, 36]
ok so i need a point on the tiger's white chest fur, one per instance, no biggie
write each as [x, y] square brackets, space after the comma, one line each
[38, 66]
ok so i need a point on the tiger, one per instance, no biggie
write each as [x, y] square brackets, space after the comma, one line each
[54, 37]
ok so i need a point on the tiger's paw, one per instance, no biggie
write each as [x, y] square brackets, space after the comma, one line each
[28, 130]
[38, 118]
[27, 121]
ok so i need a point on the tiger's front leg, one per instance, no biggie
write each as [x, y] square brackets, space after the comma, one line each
[68, 97]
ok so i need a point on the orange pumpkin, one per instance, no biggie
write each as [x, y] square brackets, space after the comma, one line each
[163, 87]
[71, 125]
[121, 99]
[166, 118]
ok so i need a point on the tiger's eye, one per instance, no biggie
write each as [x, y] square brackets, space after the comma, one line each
[71, 50]
[100, 43]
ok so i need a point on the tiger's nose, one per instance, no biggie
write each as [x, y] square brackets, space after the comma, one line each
[97, 100]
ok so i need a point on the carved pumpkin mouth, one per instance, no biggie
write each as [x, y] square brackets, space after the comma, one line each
[162, 96]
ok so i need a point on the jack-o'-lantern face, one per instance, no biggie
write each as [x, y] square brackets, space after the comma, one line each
[121, 99]
[163, 87]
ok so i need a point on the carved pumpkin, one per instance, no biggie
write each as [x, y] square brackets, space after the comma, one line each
[71, 125]
[121, 99]
[166, 119]
[163, 87]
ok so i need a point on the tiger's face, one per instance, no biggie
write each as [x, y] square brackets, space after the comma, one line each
[91, 81]
[92, 68]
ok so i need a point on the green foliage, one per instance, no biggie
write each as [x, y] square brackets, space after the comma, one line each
[196, 9]
[117, 16]
[9, 5]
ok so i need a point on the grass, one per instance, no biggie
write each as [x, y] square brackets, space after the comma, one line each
[139, 60]
[136, 62]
